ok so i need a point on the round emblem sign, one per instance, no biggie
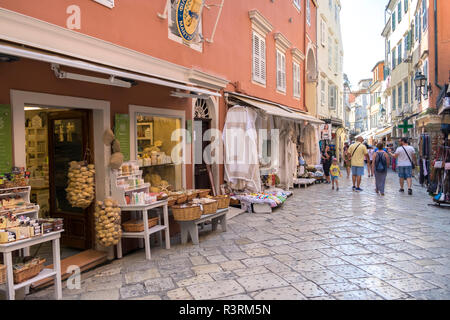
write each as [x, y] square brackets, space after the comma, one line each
[188, 16]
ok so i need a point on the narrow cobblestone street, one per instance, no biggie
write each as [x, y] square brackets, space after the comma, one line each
[320, 245]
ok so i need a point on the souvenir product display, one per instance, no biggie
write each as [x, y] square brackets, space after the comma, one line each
[128, 187]
[18, 177]
[273, 198]
[81, 188]
[18, 217]
[107, 222]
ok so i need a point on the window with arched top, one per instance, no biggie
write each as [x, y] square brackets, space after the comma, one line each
[201, 109]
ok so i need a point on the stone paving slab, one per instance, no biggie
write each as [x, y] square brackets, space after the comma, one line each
[261, 281]
[285, 293]
[411, 284]
[310, 289]
[217, 289]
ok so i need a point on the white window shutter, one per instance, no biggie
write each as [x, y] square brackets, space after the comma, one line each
[256, 58]
[278, 70]
[262, 60]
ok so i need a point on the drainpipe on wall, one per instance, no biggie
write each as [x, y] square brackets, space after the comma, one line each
[436, 55]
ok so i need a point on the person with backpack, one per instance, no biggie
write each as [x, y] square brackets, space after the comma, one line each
[406, 159]
[358, 153]
[380, 166]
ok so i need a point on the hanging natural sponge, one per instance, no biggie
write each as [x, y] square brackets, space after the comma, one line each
[116, 160]
[115, 146]
[108, 137]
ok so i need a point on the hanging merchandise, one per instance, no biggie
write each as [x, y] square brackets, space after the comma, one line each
[107, 222]
[81, 188]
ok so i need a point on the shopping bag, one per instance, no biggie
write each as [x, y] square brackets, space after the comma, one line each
[438, 164]
[438, 197]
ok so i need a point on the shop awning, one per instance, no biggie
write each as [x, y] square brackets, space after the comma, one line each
[383, 132]
[367, 134]
[61, 60]
[273, 108]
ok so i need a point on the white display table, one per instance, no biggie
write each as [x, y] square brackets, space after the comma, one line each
[143, 210]
[8, 248]
[191, 227]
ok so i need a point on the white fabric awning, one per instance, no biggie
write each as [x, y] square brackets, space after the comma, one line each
[275, 109]
[43, 56]
[383, 132]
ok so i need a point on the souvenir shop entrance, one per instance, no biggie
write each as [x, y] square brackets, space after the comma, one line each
[55, 137]
[49, 132]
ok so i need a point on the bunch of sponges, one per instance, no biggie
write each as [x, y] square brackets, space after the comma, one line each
[117, 158]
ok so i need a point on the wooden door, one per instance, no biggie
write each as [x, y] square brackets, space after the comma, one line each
[201, 171]
[69, 139]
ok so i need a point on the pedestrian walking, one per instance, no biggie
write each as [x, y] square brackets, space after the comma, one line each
[371, 152]
[406, 159]
[347, 160]
[326, 162]
[335, 172]
[358, 153]
[380, 166]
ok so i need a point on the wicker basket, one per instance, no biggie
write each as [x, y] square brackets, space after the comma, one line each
[191, 194]
[171, 201]
[234, 202]
[186, 212]
[203, 193]
[182, 199]
[210, 207]
[138, 225]
[27, 273]
[2, 274]
[223, 201]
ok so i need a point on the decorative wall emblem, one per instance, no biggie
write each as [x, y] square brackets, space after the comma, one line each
[188, 18]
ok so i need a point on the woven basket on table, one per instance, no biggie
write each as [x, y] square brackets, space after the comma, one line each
[182, 199]
[171, 201]
[210, 207]
[29, 272]
[191, 194]
[223, 201]
[2, 274]
[203, 193]
[186, 212]
[138, 225]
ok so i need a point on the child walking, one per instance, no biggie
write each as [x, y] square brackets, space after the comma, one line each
[335, 172]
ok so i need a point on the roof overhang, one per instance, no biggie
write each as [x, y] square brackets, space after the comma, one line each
[272, 108]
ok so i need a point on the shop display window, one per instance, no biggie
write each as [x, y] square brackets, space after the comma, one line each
[154, 151]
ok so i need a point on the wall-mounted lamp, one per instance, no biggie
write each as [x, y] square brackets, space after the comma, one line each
[421, 83]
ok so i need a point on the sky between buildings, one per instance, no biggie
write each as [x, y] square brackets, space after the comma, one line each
[362, 22]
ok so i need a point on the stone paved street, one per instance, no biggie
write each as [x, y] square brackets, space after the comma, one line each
[320, 245]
